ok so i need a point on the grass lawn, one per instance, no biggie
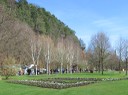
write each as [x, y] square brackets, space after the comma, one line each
[75, 75]
[103, 88]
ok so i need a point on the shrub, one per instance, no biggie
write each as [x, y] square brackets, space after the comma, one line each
[7, 69]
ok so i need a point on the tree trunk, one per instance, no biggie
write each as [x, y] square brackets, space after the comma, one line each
[99, 66]
[102, 68]
[120, 63]
[119, 67]
[102, 65]
[36, 69]
[67, 69]
[126, 66]
[47, 67]
[61, 68]
[70, 68]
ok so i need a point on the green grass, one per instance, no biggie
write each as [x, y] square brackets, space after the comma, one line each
[75, 75]
[102, 88]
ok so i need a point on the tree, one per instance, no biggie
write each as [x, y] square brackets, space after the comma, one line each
[61, 52]
[70, 55]
[11, 3]
[120, 47]
[22, 2]
[93, 58]
[112, 61]
[39, 18]
[78, 55]
[48, 51]
[14, 36]
[82, 44]
[36, 46]
[100, 44]
[125, 54]
[9, 32]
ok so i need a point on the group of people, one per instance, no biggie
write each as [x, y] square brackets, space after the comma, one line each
[29, 71]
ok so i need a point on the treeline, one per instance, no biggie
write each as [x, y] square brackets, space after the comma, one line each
[102, 57]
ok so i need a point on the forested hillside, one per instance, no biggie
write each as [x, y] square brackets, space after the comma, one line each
[39, 19]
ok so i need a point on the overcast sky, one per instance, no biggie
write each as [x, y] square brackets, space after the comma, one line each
[87, 17]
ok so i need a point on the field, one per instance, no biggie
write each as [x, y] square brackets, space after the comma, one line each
[102, 88]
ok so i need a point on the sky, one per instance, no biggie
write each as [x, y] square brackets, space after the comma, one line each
[88, 17]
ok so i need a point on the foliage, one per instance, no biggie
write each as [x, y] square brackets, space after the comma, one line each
[8, 68]
[41, 20]
[82, 44]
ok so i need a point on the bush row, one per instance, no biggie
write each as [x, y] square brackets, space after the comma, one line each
[88, 79]
[78, 79]
[54, 85]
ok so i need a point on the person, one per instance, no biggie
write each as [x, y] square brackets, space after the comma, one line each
[80, 70]
[19, 72]
[51, 71]
[29, 71]
[63, 70]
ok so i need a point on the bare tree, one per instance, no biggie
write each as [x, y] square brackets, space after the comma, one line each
[120, 47]
[112, 61]
[70, 55]
[36, 46]
[48, 51]
[8, 33]
[125, 54]
[78, 56]
[100, 44]
[61, 52]
[93, 59]
[13, 36]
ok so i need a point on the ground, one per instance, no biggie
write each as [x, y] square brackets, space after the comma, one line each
[102, 88]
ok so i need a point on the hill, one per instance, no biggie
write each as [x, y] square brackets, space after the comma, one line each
[39, 19]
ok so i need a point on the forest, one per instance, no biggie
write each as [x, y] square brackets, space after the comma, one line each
[31, 35]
